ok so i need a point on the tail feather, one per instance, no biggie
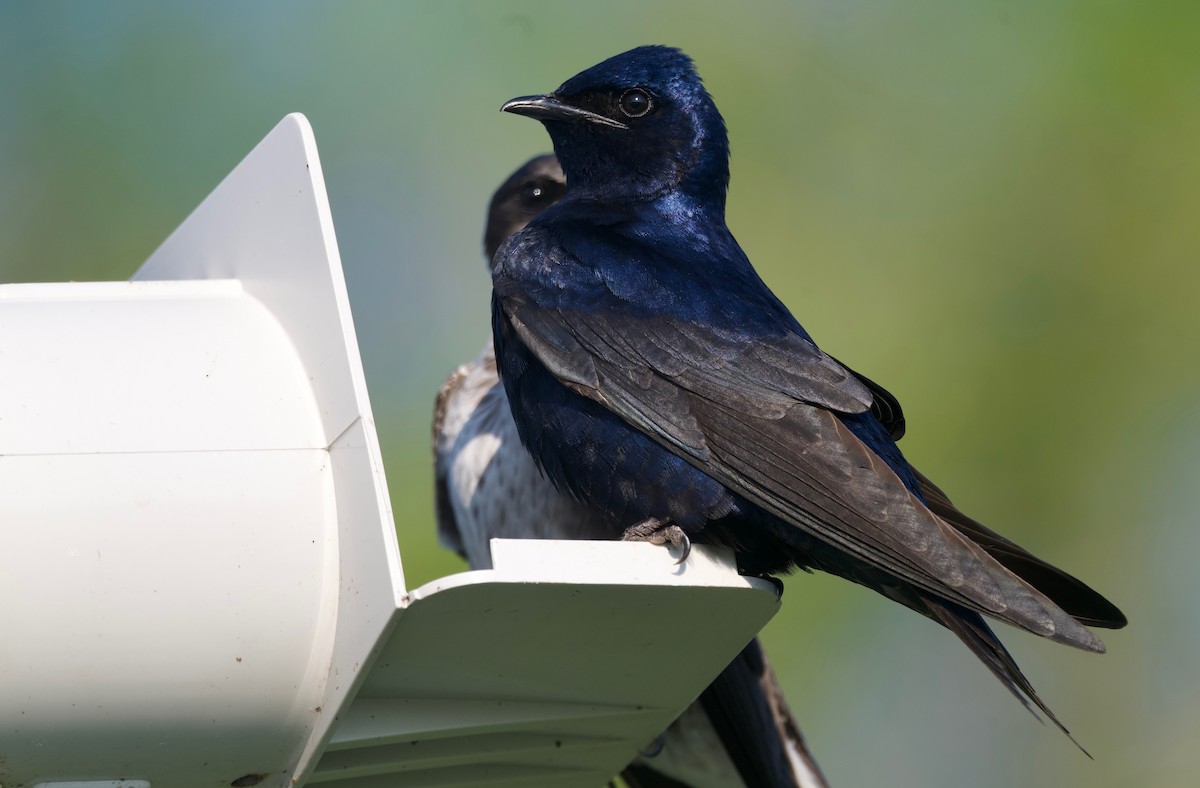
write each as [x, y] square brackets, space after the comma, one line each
[747, 710]
[972, 630]
[1071, 594]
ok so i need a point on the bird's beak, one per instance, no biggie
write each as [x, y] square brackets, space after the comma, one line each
[552, 108]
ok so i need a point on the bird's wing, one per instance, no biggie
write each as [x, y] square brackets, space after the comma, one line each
[1068, 592]
[884, 405]
[447, 523]
[659, 363]
[759, 417]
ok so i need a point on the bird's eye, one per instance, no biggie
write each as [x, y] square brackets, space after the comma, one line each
[532, 194]
[635, 103]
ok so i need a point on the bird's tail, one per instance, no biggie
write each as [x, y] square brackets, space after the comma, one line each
[972, 630]
[1069, 593]
[750, 715]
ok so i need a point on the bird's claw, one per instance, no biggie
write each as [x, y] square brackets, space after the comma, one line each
[660, 532]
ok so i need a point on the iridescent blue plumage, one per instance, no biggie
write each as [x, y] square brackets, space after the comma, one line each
[655, 377]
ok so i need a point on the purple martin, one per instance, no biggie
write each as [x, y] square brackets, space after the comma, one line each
[654, 377]
[741, 730]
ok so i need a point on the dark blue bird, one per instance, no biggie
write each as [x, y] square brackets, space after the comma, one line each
[654, 377]
[740, 731]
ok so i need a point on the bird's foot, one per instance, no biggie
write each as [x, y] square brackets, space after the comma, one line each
[657, 531]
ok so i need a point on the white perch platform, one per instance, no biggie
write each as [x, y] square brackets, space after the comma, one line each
[202, 584]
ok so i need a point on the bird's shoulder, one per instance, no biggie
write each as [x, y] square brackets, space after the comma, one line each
[459, 404]
[458, 398]
[647, 262]
[615, 300]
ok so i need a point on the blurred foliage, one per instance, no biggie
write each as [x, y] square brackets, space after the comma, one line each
[992, 208]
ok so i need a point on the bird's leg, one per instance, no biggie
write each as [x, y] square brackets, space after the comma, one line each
[657, 531]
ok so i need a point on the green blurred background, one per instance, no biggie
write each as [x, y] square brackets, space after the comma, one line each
[992, 208]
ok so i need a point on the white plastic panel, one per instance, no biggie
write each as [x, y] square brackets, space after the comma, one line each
[268, 225]
[146, 614]
[92, 367]
[181, 460]
[553, 669]
[368, 602]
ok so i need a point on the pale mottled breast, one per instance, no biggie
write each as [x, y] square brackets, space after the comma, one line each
[487, 484]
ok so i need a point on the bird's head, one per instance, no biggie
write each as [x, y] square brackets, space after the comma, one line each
[538, 184]
[636, 126]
